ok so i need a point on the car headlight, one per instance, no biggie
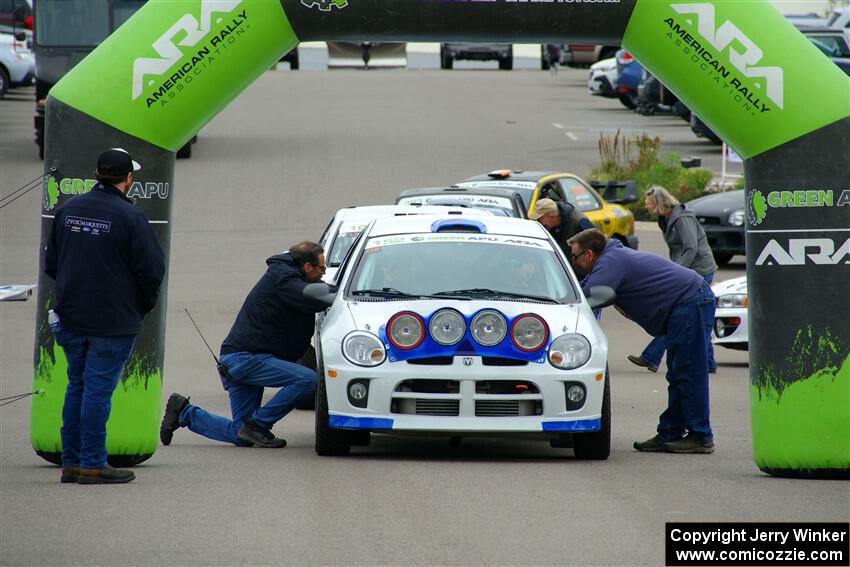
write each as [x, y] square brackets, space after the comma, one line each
[529, 332]
[406, 330]
[489, 327]
[733, 300]
[737, 218]
[569, 351]
[363, 349]
[447, 327]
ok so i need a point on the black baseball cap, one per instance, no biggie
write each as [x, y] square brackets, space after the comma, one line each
[116, 162]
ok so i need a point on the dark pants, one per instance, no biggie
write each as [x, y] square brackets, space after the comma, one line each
[687, 368]
[250, 374]
[94, 368]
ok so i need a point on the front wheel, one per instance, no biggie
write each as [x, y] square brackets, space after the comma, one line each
[4, 82]
[330, 442]
[597, 445]
[506, 63]
[628, 100]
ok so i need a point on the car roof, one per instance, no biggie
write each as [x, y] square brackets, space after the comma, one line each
[369, 212]
[494, 190]
[494, 225]
[515, 175]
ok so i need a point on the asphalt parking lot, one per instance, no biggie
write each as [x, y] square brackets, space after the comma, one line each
[270, 170]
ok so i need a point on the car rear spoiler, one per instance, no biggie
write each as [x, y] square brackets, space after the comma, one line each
[620, 192]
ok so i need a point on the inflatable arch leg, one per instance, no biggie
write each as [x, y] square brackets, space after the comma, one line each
[738, 65]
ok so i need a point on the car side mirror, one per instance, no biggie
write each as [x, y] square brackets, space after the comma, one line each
[601, 296]
[320, 292]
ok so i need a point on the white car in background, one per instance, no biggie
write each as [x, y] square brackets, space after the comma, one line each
[17, 62]
[460, 326]
[602, 79]
[730, 318]
[347, 224]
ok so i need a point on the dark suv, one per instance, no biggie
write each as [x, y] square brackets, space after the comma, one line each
[503, 52]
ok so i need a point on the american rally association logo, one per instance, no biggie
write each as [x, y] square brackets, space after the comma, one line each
[325, 5]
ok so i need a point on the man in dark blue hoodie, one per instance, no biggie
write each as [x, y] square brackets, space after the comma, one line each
[271, 332]
[665, 299]
[108, 267]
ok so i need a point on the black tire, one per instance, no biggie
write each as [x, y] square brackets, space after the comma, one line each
[722, 259]
[544, 60]
[506, 63]
[294, 63]
[186, 151]
[308, 361]
[4, 82]
[446, 62]
[628, 100]
[329, 442]
[596, 446]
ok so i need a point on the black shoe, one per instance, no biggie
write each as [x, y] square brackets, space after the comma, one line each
[106, 475]
[171, 419]
[641, 362]
[250, 432]
[690, 443]
[654, 445]
[70, 474]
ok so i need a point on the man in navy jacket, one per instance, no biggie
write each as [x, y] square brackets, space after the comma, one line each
[108, 268]
[665, 299]
[271, 332]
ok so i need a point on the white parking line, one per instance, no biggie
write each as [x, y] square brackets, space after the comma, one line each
[571, 136]
[556, 125]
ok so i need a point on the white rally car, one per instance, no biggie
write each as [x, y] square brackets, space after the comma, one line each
[460, 326]
[730, 318]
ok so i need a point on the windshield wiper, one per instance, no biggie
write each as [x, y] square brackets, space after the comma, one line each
[384, 291]
[486, 292]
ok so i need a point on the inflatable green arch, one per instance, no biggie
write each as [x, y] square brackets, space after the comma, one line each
[740, 66]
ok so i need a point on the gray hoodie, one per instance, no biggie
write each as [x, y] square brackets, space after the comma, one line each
[687, 241]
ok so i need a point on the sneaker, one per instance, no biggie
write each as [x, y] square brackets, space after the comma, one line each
[171, 419]
[654, 445]
[106, 475]
[641, 362]
[690, 444]
[69, 474]
[259, 436]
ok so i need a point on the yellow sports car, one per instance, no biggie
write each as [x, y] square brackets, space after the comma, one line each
[606, 213]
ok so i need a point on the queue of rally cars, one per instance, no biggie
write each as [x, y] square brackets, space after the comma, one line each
[450, 314]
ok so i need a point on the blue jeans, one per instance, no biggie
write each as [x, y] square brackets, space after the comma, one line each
[94, 368]
[250, 374]
[687, 369]
[656, 347]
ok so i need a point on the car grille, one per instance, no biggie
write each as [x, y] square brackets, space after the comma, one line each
[488, 398]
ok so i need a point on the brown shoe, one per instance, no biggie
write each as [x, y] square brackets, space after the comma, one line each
[690, 444]
[106, 475]
[70, 474]
[641, 362]
[653, 445]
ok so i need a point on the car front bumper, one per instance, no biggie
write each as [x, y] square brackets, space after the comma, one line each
[724, 239]
[538, 404]
[731, 328]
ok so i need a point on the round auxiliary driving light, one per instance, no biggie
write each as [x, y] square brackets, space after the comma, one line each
[575, 393]
[529, 332]
[447, 327]
[489, 327]
[405, 330]
[358, 391]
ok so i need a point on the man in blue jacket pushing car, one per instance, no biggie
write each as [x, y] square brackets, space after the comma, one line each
[271, 332]
[665, 299]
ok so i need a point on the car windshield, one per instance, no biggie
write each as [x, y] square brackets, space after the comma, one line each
[462, 266]
[80, 23]
[580, 196]
[342, 243]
